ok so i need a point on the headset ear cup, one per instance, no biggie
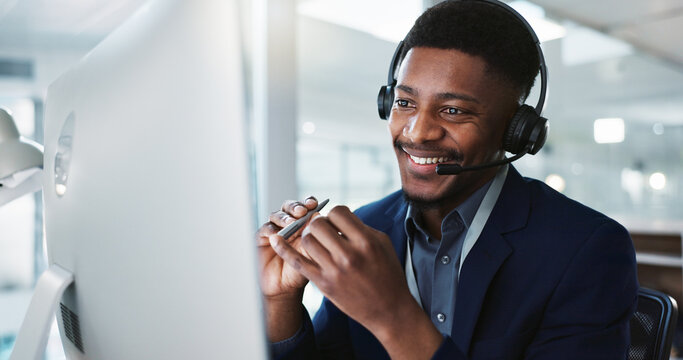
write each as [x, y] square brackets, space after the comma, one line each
[389, 100]
[518, 132]
[510, 140]
[380, 102]
[538, 135]
[385, 100]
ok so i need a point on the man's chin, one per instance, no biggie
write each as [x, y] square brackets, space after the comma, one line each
[423, 201]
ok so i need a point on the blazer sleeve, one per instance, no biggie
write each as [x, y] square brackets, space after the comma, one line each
[299, 346]
[326, 337]
[588, 315]
[332, 332]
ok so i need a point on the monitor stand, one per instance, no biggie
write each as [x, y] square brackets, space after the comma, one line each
[32, 338]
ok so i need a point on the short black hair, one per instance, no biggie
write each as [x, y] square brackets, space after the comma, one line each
[479, 28]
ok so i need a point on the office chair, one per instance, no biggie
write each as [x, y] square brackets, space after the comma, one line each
[652, 326]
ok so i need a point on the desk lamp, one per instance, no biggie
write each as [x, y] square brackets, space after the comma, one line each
[21, 161]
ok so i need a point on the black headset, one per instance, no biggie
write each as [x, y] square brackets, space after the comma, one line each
[526, 131]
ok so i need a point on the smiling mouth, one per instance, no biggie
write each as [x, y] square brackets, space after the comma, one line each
[428, 160]
[433, 155]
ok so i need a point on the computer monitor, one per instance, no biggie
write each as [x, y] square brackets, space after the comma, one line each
[147, 191]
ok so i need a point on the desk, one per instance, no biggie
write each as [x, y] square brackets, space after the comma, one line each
[659, 254]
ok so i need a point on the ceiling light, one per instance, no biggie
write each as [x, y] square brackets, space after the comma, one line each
[657, 181]
[308, 128]
[608, 130]
[556, 182]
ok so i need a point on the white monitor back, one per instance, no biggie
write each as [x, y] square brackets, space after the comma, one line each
[147, 191]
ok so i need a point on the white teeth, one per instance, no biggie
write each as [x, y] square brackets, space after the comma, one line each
[423, 161]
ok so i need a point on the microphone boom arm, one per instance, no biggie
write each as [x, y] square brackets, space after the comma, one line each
[454, 169]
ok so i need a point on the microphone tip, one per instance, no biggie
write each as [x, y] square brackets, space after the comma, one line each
[448, 169]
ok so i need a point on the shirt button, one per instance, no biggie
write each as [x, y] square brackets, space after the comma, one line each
[440, 317]
[445, 259]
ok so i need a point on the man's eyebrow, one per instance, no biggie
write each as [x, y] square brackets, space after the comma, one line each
[407, 89]
[442, 96]
[464, 97]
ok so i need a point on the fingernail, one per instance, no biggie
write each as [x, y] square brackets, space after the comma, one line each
[309, 201]
[299, 208]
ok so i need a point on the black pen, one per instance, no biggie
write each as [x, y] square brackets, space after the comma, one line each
[290, 229]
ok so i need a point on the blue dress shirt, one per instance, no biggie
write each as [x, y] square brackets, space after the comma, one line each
[436, 261]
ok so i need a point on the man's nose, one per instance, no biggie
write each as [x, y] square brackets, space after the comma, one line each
[423, 126]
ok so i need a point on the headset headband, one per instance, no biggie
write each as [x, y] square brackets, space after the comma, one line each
[542, 67]
[391, 78]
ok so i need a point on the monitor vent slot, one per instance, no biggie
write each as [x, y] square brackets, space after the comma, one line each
[72, 328]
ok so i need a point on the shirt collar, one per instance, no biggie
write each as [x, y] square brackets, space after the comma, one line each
[463, 213]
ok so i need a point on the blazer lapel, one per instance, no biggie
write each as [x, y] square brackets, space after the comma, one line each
[397, 233]
[391, 222]
[487, 256]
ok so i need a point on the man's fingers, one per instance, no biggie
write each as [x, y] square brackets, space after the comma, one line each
[311, 202]
[294, 208]
[347, 222]
[293, 258]
[281, 218]
[315, 250]
[328, 236]
[264, 232]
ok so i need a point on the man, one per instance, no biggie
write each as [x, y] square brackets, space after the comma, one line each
[481, 265]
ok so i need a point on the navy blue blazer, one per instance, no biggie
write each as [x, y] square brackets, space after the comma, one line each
[547, 279]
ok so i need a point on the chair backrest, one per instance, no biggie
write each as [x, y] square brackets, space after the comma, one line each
[652, 326]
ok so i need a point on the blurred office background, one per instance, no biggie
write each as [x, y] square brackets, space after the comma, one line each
[615, 104]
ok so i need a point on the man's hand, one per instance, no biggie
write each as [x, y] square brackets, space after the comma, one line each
[282, 286]
[356, 268]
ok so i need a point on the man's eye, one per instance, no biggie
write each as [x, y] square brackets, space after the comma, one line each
[402, 103]
[453, 111]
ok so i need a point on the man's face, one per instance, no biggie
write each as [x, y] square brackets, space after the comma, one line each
[447, 109]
